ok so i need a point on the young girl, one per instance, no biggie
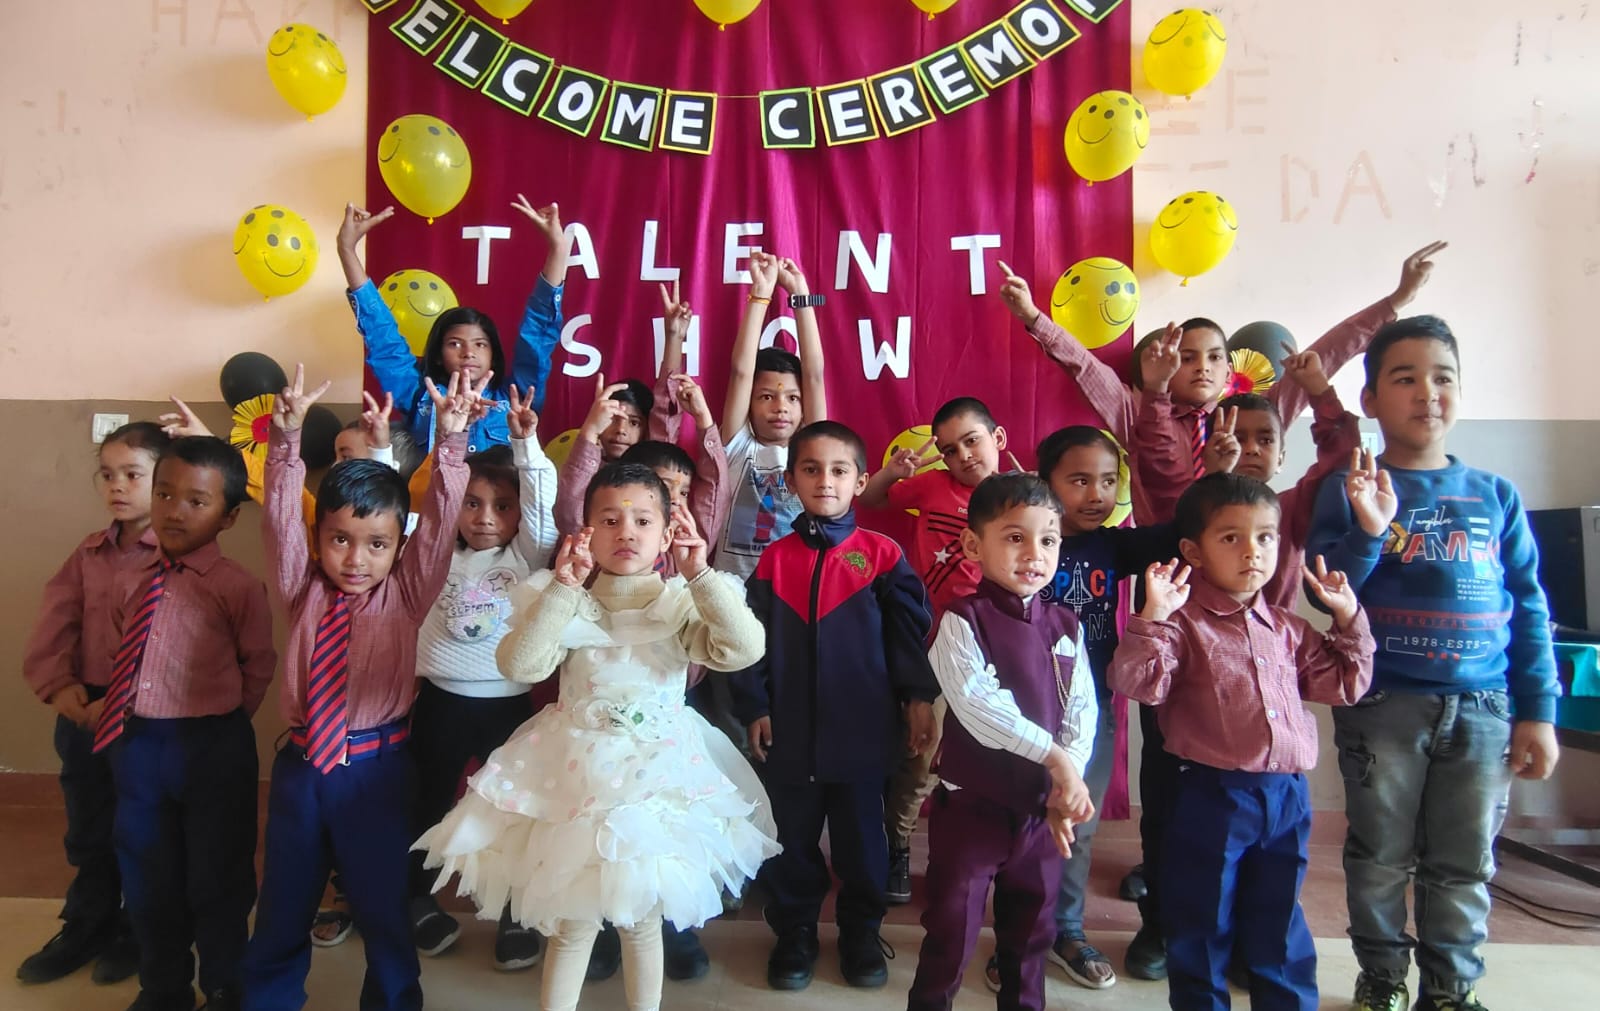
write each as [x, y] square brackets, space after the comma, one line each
[619, 802]
[462, 339]
[68, 664]
[464, 708]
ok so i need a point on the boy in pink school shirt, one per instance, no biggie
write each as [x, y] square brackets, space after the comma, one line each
[342, 788]
[194, 662]
[1231, 674]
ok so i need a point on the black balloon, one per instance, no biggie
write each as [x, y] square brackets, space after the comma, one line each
[250, 374]
[1272, 340]
[317, 434]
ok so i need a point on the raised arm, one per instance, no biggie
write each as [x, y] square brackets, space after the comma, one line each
[813, 386]
[709, 490]
[666, 419]
[283, 523]
[540, 331]
[902, 466]
[536, 485]
[531, 649]
[1336, 668]
[742, 372]
[1351, 520]
[1152, 648]
[386, 350]
[425, 564]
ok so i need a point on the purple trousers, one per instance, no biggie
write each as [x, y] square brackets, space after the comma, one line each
[971, 843]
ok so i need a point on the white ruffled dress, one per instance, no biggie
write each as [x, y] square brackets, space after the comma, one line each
[619, 802]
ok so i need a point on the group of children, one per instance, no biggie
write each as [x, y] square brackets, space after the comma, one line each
[850, 681]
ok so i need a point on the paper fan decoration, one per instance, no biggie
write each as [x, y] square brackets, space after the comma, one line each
[252, 424]
[1252, 373]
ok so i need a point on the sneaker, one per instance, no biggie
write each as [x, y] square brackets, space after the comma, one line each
[331, 927]
[1133, 887]
[1083, 963]
[991, 974]
[898, 891]
[684, 958]
[434, 929]
[1147, 954]
[1443, 1002]
[863, 955]
[74, 946]
[1373, 994]
[119, 960]
[793, 959]
[515, 946]
[605, 958]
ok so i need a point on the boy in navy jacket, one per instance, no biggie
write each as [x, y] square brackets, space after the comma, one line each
[846, 621]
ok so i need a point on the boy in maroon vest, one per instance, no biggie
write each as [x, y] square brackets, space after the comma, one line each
[1015, 673]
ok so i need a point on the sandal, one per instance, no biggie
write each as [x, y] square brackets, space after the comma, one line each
[1083, 963]
[331, 927]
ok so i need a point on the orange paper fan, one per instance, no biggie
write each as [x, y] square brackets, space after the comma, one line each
[1252, 372]
[252, 424]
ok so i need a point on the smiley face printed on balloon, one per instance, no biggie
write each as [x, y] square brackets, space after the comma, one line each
[416, 298]
[1106, 134]
[1193, 233]
[423, 137]
[275, 249]
[558, 449]
[1192, 30]
[1095, 300]
[311, 44]
[1208, 210]
[1184, 51]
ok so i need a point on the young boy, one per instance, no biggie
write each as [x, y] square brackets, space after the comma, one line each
[1464, 686]
[846, 623]
[1020, 728]
[194, 663]
[343, 788]
[1231, 675]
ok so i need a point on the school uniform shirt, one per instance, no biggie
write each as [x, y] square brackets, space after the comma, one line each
[75, 639]
[210, 649]
[761, 508]
[384, 620]
[941, 504]
[1237, 677]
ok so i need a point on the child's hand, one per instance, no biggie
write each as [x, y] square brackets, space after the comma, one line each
[692, 399]
[1222, 450]
[574, 563]
[1061, 832]
[688, 547]
[1335, 592]
[1306, 370]
[603, 411]
[358, 221]
[375, 419]
[906, 462]
[921, 728]
[791, 278]
[1068, 793]
[1160, 360]
[521, 418]
[547, 218]
[92, 711]
[1166, 588]
[1533, 749]
[760, 733]
[290, 407]
[182, 423]
[1414, 274]
[460, 405]
[72, 702]
[1371, 493]
[676, 312]
[763, 273]
[1017, 296]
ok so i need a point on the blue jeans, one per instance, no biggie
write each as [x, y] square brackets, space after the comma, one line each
[1426, 785]
[1075, 869]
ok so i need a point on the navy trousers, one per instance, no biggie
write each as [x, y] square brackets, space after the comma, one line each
[797, 880]
[357, 818]
[1236, 857]
[1158, 774]
[94, 899]
[185, 831]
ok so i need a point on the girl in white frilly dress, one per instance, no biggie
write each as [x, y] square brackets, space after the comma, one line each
[619, 802]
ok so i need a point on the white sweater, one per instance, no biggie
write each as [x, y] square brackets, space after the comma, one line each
[456, 645]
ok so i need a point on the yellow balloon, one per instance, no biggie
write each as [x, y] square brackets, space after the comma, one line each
[1193, 233]
[416, 298]
[559, 448]
[307, 68]
[726, 12]
[275, 249]
[1095, 300]
[934, 6]
[505, 10]
[1184, 51]
[1106, 134]
[1124, 504]
[425, 164]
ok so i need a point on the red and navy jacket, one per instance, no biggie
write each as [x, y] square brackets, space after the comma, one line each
[847, 620]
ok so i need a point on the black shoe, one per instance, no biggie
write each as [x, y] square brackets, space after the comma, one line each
[1147, 954]
[793, 959]
[515, 946]
[433, 929]
[862, 956]
[119, 960]
[74, 946]
[683, 955]
[1133, 887]
[605, 958]
[147, 1001]
[898, 891]
[1239, 972]
[223, 998]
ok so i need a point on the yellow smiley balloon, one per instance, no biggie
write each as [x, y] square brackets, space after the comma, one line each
[307, 68]
[933, 7]
[425, 164]
[726, 12]
[559, 448]
[1193, 233]
[1095, 300]
[1106, 134]
[1184, 51]
[275, 249]
[416, 298]
[1124, 504]
[505, 10]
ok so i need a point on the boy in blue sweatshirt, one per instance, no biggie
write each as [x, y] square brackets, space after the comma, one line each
[1464, 688]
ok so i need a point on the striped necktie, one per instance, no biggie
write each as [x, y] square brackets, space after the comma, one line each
[327, 731]
[1197, 443]
[119, 697]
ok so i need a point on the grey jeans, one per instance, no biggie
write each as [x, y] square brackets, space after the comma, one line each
[1426, 786]
[1075, 869]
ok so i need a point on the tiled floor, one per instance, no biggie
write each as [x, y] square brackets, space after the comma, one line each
[1533, 965]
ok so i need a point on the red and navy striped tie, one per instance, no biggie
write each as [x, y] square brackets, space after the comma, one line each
[119, 697]
[327, 731]
[1197, 443]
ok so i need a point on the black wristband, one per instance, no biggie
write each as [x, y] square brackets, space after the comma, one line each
[807, 301]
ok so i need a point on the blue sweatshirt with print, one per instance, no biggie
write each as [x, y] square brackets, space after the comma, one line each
[1451, 588]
